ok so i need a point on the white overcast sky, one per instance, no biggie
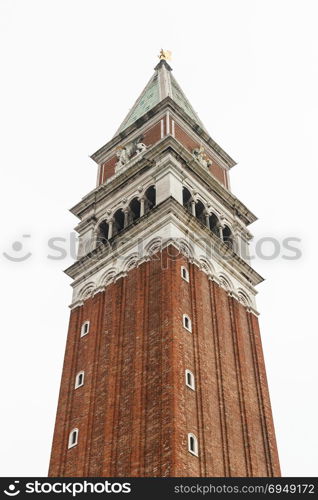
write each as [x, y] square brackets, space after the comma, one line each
[70, 71]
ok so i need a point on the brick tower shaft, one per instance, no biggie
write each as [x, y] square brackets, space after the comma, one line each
[163, 373]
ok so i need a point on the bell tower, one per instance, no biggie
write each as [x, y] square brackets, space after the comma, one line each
[164, 372]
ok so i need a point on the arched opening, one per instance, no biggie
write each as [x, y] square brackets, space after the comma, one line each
[103, 232]
[134, 210]
[119, 221]
[214, 224]
[227, 236]
[200, 212]
[150, 198]
[186, 196]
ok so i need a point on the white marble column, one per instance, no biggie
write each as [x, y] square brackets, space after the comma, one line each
[193, 207]
[142, 206]
[110, 229]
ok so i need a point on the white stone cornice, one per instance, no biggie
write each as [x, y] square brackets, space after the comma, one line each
[76, 303]
[148, 161]
[168, 161]
[171, 224]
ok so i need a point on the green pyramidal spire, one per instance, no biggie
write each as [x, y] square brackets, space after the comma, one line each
[161, 85]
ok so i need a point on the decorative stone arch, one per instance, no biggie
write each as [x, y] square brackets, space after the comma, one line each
[206, 266]
[224, 221]
[134, 209]
[150, 197]
[225, 282]
[130, 262]
[106, 218]
[107, 278]
[196, 204]
[86, 292]
[126, 201]
[214, 222]
[118, 220]
[213, 210]
[107, 215]
[243, 298]
[228, 233]
[146, 186]
[187, 197]
[201, 211]
[101, 231]
[228, 236]
[198, 197]
[190, 189]
[154, 246]
[185, 248]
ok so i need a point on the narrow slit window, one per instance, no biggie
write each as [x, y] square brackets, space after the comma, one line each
[193, 444]
[185, 273]
[79, 379]
[189, 377]
[85, 328]
[73, 438]
[187, 323]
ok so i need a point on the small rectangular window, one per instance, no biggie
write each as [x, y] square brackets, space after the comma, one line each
[85, 328]
[185, 274]
[79, 379]
[193, 446]
[187, 323]
[189, 378]
[73, 438]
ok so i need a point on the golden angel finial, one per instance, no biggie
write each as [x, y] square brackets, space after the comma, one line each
[165, 55]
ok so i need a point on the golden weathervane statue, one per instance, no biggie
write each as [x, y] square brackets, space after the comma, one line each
[165, 55]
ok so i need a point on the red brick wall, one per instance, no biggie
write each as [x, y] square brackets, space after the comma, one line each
[107, 169]
[135, 411]
[190, 144]
[153, 135]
